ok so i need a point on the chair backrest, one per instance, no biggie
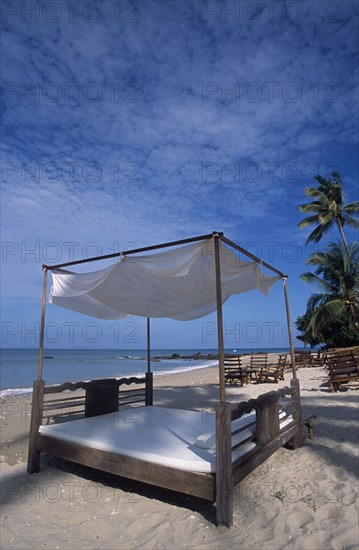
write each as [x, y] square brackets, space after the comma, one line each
[343, 360]
[258, 360]
[302, 358]
[232, 362]
[282, 361]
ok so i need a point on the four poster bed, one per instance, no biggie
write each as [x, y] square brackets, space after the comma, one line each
[100, 423]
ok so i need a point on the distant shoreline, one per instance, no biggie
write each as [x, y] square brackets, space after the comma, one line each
[13, 393]
[19, 366]
[204, 351]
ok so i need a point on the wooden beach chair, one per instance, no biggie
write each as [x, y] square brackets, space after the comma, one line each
[233, 370]
[302, 358]
[343, 368]
[317, 359]
[257, 362]
[273, 373]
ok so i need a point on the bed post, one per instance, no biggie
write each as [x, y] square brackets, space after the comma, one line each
[297, 439]
[224, 485]
[290, 335]
[217, 255]
[267, 419]
[149, 389]
[149, 374]
[297, 414]
[42, 326]
[33, 461]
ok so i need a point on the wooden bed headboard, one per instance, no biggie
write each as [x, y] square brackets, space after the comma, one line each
[90, 398]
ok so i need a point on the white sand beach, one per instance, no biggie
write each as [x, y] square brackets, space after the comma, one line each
[302, 499]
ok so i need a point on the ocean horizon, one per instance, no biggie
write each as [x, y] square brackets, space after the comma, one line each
[18, 366]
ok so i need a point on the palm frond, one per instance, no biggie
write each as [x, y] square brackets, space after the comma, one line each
[322, 181]
[311, 278]
[352, 207]
[315, 193]
[317, 258]
[318, 233]
[327, 217]
[319, 208]
[324, 314]
[308, 221]
[318, 300]
[349, 220]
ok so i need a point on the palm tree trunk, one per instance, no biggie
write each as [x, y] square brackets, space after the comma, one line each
[353, 319]
[345, 242]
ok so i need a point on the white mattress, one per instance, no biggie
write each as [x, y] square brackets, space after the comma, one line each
[155, 434]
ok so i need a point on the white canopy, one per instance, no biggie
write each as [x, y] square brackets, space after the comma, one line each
[179, 283]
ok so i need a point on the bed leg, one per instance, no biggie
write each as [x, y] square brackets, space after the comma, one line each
[149, 389]
[33, 461]
[224, 481]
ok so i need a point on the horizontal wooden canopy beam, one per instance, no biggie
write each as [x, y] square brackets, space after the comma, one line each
[135, 251]
[167, 245]
[252, 256]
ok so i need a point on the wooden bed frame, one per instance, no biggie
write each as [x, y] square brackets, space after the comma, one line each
[108, 395]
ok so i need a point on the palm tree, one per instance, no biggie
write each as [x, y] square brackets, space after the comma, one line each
[328, 209]
[337, 276]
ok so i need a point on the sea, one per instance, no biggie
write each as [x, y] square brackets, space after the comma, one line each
[18, 367]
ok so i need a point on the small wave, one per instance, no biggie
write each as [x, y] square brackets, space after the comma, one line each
[15, 392]
[135, 357]
[18, 392]
[166, 372]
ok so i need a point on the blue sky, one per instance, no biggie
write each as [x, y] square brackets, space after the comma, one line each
[131, 123]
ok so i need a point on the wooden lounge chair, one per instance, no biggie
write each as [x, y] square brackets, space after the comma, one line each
[273, 373]
[317, 359]
[257, 362]
[343, 368]
[302, 358]
[233, 370]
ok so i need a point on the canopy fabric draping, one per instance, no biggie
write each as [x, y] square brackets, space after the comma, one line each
[179, 284]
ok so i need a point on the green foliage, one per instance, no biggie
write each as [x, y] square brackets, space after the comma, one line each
[302, 324]
[335, 334]
[337, 277]
[332, 315]
[328, 208]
